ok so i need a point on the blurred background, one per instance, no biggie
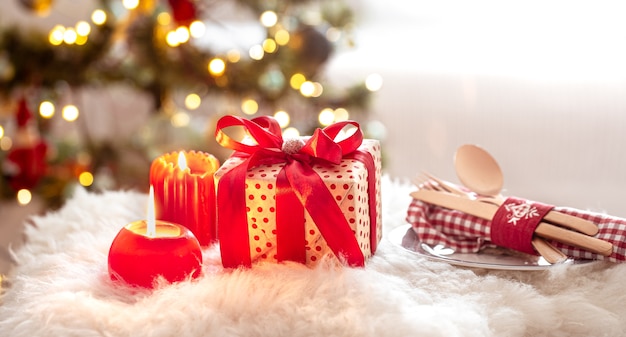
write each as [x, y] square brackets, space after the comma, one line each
[91, 91]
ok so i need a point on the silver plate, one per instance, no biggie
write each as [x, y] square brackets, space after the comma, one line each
[499, 259]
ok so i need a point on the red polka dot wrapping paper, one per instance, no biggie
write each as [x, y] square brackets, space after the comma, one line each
[466, 233]
[347, 182]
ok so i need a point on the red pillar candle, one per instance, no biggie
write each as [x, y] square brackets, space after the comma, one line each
[146, 249]
[185, 192]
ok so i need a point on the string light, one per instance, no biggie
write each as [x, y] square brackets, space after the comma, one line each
[333, 34]
[69, 35]
[6, 143]
[130, 4]
[180, 119]
[46, 109]
[341, 114]
[318, 89]
[24, 197]
[269, 18]
[374, 82]
[83, 28]
[297, 80]
[311, 89]
[70, 113]
[197, 29]
[164, 18]
[192, 101]
[180, 35]
[85, 178]
[172, 39]
[1, 131]
[249, 106]
[81, 40]
[183, 34]
[282, 117]
[233, 56]
[217, 67]
[98, 17]
[291, 132]
[281, 37]
[56, 35]
[269, 46]
[256, 52]
[326, 117]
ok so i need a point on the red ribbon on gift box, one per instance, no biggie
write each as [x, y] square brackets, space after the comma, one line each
[299, 188]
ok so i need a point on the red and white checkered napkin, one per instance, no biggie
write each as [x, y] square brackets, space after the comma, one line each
[469, 234]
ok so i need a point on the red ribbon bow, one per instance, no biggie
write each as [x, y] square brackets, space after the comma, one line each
[298, 186]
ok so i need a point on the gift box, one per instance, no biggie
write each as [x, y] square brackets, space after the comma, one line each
[299, 199]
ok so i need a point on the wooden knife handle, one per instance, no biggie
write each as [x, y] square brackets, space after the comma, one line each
[573, 222]
[576, 239]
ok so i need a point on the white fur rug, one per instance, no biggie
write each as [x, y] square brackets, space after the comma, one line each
[61, 288]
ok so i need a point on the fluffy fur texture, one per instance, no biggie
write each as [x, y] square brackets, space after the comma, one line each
[61, 288]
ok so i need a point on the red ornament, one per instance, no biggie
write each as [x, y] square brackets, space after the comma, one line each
[28, 165]
[26, 161]
[23, 115]
[184, 12]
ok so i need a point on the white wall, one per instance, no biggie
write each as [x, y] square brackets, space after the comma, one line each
[540, 84]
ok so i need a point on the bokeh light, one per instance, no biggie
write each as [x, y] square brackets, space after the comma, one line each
[282, 117]
[130, 4]
[270, 46]
[46, 109]
[6, 143]
[197, 29]
[256, 52]
[180, 119]
[249, 106]
[341, 114]
[281, 37]
[233, 56]
[217, 67]
[56, 35]
[69, 35]
[24, 197]
[296, 81]
[192, 101]
[374, 82]
[291, 132]
[99, 17]
[85, 179]
[326, 117]
[269, 18]
[70, 113]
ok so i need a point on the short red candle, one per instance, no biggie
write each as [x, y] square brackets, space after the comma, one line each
[185, 194]
[138, 258]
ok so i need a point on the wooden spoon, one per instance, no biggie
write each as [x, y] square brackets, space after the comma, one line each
[480, 172]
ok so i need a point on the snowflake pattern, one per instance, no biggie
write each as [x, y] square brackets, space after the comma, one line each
[520, 211]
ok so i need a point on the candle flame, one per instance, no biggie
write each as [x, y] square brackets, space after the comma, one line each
[182, 161]
[151, 228]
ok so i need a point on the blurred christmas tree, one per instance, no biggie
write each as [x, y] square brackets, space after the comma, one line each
[181, 56]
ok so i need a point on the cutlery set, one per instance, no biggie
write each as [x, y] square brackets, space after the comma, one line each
[553, 225]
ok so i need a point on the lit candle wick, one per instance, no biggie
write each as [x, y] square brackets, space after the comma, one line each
[151, 228]
[182, 161]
